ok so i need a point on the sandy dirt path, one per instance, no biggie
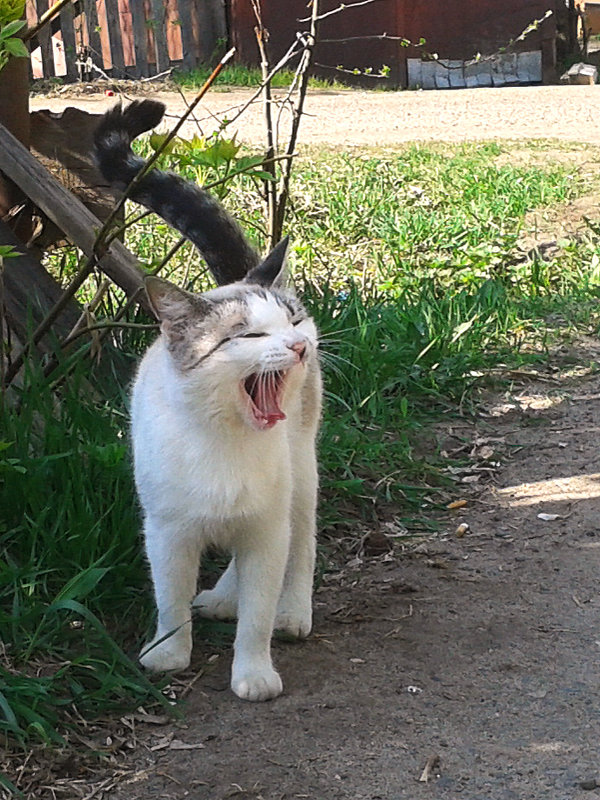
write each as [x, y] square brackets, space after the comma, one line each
[388, 118]
[476, 655]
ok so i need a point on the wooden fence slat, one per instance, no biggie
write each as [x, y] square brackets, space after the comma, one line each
[201, 24]
[140, 39]
[66, 211]
[160, 37]
[45, 40]
[114, 33]
[91, 20]
[67, 29]
[187, 34]
[210, 27]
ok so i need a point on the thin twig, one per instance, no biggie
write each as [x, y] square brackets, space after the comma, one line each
[405, 42]
[292, 51]
[270, 188]
[303, 70]
[101, 242]
[100, 239]
[45, 18]
[342, 7]
[151, 326]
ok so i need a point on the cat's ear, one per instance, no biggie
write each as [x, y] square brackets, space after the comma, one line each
[273, 270]
[172, 304]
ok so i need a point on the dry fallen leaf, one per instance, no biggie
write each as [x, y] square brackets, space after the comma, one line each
[177, 744]
[456, 504]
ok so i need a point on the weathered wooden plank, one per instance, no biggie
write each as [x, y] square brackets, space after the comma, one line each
[30, 292]
[45, 42]
[160, 37]
[115, 34]
[93, 32]
[210, 27]
[67, 29]
[184, 9]
[140, 39]
[66, 211]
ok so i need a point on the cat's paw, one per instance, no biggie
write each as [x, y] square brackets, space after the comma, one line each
[212, 605]
[294, 622]
[168, 656]
[258, 685]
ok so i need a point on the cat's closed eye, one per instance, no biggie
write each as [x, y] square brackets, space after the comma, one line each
[252, 335]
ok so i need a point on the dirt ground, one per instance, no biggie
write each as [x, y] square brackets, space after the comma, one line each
[388, 118]
[464, 666]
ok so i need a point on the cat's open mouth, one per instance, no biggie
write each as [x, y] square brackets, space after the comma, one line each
[264, 390]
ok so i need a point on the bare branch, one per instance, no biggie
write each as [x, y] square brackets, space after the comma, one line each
[303, 75]
[45, 18]
[109, 325]
[341, 7]
[404, 41]
[270, 188]
[102, 237]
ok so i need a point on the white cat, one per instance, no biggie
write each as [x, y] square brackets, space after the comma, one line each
[225, 411]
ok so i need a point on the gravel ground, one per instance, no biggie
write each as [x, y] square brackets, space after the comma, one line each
[388, 118]
[476, 655]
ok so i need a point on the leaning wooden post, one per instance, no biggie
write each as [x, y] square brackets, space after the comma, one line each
[14, 115]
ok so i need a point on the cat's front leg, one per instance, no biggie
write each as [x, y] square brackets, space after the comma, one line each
[294, 611]
[220, 602]
[174, 562]
[260, 558]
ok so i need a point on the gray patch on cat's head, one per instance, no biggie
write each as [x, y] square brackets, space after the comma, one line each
[194, 326]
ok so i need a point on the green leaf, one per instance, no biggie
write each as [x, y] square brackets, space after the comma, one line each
[82, 584]
[264, 176]
[12, 28]
[157, 140]
[16, 48]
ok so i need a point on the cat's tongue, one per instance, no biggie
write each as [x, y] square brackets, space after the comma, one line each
[265, 400]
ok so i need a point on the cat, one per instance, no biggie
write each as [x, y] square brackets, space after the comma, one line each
[224, 416]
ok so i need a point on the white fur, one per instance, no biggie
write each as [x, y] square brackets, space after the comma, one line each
[205, 475]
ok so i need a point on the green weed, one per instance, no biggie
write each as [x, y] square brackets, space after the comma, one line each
[238, 75]
[411, 263]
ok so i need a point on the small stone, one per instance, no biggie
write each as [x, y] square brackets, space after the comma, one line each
[589, 783]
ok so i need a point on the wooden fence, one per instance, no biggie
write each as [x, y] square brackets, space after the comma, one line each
[125, 38]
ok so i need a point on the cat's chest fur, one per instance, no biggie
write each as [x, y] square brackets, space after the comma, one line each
[203, 463]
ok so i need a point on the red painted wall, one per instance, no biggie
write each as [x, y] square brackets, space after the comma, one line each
[455, 29]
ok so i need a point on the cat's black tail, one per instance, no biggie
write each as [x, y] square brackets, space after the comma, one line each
[183, 205]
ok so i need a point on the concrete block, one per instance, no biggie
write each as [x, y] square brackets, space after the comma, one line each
[529, 66]
[413, 66]
[582, 74]
[442, 78]
[498, 78]
[509, 67]
[428, 70]
[456, 73]
[484, 74]
[470, 73]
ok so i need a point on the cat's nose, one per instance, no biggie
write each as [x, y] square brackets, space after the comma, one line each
[299, 348]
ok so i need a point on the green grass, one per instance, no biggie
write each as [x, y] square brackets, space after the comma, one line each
[238, 75]
[71, 565]
[411, 265]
